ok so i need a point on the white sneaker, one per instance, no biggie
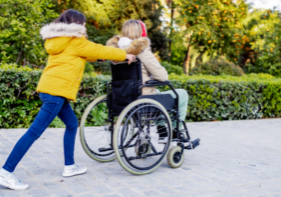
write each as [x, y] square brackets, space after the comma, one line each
[12, 182]
[73, 170]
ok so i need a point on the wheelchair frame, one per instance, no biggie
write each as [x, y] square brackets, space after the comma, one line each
[180, 138]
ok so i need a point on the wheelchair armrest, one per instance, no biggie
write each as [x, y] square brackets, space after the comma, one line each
[158, 83]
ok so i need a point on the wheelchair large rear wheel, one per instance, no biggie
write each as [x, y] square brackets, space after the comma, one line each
[140, 151]
[95, 131]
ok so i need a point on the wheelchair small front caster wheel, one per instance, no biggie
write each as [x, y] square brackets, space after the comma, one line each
[174, 157]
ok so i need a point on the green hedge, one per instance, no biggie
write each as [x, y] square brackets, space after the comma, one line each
[217, 67]
[172, 68]
[20, 103]
[231, 98]
[210, 97]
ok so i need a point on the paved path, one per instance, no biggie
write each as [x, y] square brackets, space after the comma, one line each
[236, 158]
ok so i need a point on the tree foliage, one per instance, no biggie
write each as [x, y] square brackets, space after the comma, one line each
[105, 18]
[230, 29]
[20, 22]
[267, 46]
[215, 25]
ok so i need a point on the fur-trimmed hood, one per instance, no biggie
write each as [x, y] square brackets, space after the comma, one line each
[61, 34]
[136, 47]
[54, 30]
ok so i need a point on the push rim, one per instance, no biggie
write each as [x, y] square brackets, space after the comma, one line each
[142, 164]
[96, 133]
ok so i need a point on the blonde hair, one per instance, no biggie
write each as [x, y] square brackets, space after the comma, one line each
[132, 29]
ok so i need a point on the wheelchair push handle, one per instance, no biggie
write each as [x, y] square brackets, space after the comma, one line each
[135, 60]
[102, 60]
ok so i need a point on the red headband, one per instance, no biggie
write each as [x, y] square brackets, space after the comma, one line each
[143, 34]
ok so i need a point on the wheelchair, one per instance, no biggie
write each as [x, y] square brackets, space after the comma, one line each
[126, 125]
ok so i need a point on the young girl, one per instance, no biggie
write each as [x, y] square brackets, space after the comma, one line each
[134, 41]
[68, 49]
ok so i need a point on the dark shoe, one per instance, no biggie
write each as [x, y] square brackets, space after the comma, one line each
[175, 134]
[162, 130]
[163, 140]
[163, 134]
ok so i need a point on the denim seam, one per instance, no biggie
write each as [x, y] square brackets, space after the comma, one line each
[71, 119]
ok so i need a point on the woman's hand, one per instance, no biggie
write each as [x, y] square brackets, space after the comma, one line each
[130, 58]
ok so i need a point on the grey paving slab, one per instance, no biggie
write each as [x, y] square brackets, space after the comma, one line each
[235, 158]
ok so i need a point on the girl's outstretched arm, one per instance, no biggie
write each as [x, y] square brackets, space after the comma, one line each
[92, 51]
[129, 57]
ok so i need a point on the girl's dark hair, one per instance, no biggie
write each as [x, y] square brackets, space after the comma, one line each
[71, 16]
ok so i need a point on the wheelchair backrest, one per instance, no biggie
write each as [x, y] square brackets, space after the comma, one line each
[126, 80]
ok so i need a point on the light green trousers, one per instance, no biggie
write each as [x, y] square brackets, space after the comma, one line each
[183, 102]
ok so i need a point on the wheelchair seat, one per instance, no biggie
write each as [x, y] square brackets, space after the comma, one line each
[165, 99]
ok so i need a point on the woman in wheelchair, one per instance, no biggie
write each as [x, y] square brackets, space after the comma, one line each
[134, 40]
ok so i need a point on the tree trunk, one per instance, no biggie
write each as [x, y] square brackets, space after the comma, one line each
[24, 61]
[200, 56]
[19, 54]
[186, 61]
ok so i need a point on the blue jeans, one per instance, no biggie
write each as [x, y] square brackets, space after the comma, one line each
[52, 106]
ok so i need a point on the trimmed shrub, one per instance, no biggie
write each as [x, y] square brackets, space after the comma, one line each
[217, 67]
[231, 98]
[210, 97]
[172, 68]
[20, 102]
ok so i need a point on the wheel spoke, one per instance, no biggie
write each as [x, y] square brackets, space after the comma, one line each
[147, 153]
[95, 135]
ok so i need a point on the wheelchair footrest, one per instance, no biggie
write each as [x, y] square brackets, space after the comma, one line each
[194, 143]
[105, 149]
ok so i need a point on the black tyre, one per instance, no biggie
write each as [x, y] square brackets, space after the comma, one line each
[141, 152]
[174, 158]
[95, 131]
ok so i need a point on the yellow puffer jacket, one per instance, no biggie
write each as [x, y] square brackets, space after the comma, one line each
[68, 50]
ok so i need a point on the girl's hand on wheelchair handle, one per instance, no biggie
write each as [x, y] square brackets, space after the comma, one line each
[101, 60]
[130, 58]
